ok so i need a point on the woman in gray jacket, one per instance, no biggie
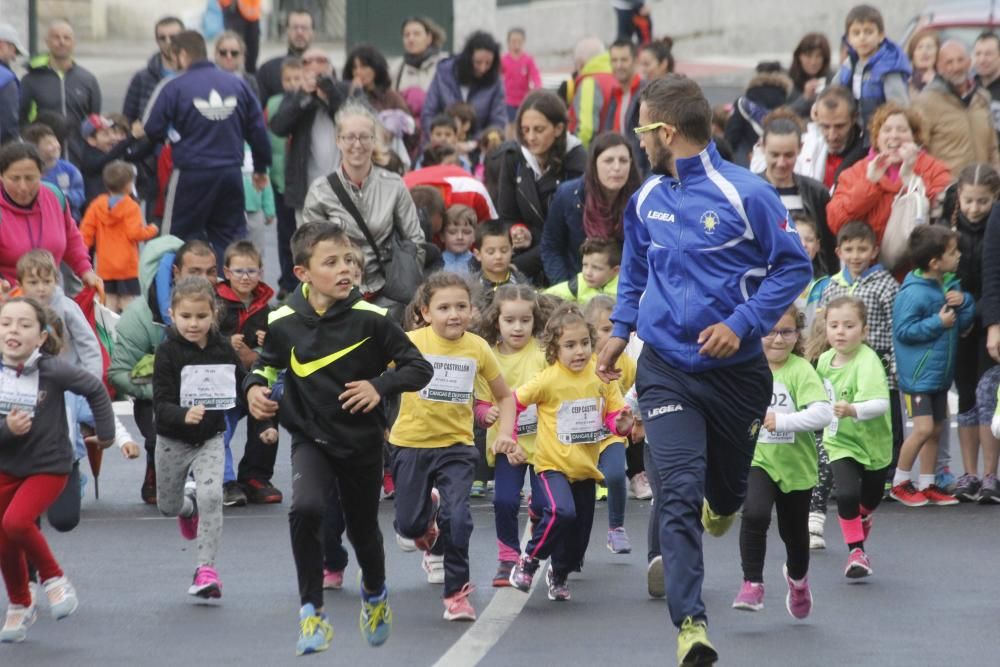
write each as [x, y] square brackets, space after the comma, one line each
[379, 195]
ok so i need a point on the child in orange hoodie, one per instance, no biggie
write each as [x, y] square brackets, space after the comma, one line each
[114, 222]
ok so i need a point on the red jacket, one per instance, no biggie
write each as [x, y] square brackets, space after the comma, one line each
[857, 198]
[612, 118]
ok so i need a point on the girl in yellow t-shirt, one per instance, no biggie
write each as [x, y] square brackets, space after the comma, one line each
[612, 460]
[576, 414]
[435, 460]
[512, 325]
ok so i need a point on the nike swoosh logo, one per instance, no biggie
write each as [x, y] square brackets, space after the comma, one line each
[306, 369]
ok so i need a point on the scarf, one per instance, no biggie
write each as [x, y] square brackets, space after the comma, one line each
[417, 60]
[597, 218]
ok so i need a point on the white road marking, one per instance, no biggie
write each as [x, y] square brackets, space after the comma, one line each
[491, 625]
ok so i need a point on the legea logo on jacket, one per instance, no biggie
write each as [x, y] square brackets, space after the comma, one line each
[215, 107]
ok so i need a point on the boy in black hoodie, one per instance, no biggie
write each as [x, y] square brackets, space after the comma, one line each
[336, 348]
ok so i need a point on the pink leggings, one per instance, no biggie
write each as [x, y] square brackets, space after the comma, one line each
[22, 501]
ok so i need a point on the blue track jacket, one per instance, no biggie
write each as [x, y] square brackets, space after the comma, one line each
[713, 245]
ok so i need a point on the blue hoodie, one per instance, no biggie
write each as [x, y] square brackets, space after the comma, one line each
[713, 245]
[887, 60]
[925, 350]
[65, 176]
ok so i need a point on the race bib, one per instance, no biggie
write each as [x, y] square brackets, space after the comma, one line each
[211, 385]
[453, 379]
[579, 422]
[18, 392]
[781, 403]
[527, 421]
[831, 429]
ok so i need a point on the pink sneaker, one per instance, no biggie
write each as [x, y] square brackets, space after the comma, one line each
[799, 600]
[333, 580]
[458, 608]
[858, 565]
[188, 526]
[750, 598]
[206, 583]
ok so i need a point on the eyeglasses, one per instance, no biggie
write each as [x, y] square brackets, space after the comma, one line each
[229, 53]
[245, 273]
[787, 334]
[652, 126]
[363, 139]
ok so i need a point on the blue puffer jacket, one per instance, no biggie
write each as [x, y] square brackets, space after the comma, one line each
[713, 245]
[563, 232]
[925, 350]
[887, 60]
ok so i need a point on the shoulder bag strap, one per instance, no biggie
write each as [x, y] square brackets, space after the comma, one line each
[348, 203]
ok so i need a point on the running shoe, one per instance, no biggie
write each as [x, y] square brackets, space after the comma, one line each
[750, 597]
[188, 525]
[502, 578]
[457, 606]
[945, 480]
[388, 486]
[693, 647]
[817, 520]
[233, 495]
[62, 597]
[523, 573]
[715, 524]
[639, 486]
[426, 541]
[967, 488]
[261, 492]
[206, 583]
[434, 567]
[858, 565]
[908, 495]
[148, 490]
[315, 632]
[558, 588]
[655, 582]
[19, 619]
[376, 617]
[333, 580]
[618, 542]
[478, 490]
[989, 492]
[602, 493]
[937, 496]
[405, 543]
[799, 600]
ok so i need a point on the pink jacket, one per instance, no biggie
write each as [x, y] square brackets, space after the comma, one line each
[520, 76]
[47, 225]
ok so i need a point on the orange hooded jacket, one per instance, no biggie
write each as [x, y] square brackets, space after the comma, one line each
[116, 231]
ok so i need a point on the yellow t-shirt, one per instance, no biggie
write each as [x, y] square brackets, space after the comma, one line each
[625, 382]
[571, 411]
[440, 414]
[517, 369]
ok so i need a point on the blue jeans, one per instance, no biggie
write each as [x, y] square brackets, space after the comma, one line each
[612, 465]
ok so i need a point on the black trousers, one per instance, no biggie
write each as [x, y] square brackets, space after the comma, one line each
[857, 487]
[286, 227]
[250, 32]
[793, 526]
[635, 458]
[64, 513]
[142, 411]
[315, 473]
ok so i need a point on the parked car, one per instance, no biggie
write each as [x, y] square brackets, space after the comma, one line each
[961, 20]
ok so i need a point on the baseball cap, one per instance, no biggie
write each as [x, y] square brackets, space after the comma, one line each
[93, 123]
[9, 34]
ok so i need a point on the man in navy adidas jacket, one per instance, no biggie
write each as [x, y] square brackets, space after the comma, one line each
[710, 263]
[207, 115]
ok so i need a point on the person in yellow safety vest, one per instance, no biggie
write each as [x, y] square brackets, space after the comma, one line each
[593, 88]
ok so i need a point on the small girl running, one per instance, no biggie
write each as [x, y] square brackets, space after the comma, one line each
[859, 439]
[612, 459]
[36, 456]
[195, 375]
[783, 471]
[435, 460]
[576, 412]
[511, 325]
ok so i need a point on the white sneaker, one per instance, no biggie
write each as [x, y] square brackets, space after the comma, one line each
[639, 487]
[405, 543]
[62, 597]
[816, 523]
[19, 619]
[434, 567]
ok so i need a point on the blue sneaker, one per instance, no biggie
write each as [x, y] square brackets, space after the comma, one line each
[376, 617]
[315, 632]
[945, 480]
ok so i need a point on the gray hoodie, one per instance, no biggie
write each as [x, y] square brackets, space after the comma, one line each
[80, 345]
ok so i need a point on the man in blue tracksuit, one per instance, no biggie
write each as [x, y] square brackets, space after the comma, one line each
[710, 263]
[207, 115]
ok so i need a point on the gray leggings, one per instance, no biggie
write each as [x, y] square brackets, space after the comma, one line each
[173, 460]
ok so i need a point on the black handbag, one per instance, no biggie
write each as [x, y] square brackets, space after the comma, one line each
[402, 270]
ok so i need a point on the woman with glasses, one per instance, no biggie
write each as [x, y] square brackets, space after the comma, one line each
[380, 196]
[230, 54]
